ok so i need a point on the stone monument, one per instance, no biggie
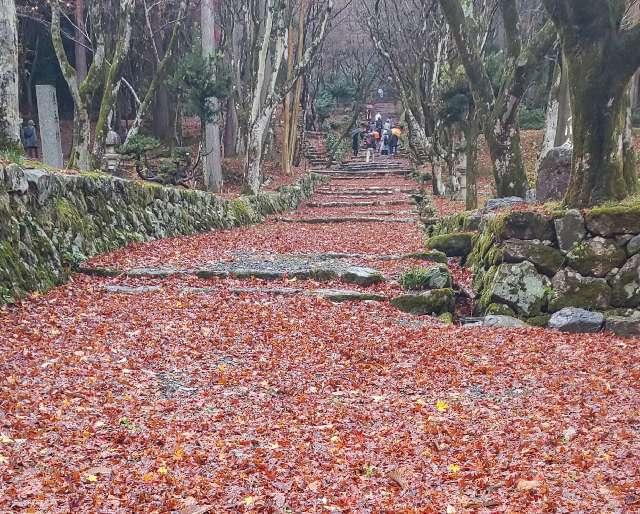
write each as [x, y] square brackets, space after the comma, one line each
[49, 123]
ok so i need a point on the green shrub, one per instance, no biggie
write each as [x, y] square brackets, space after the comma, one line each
[338, 148]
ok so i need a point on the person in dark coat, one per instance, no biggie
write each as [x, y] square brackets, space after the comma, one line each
[356, 138]
[30, 139]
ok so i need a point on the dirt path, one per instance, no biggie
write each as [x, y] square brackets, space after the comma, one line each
[162, 391]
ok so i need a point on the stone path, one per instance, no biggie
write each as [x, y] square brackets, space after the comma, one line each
[264, 369]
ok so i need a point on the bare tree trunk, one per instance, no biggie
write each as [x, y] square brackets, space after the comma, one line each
[230, 137]
[110, 89]
[80, 50]
[212, 161]
[472, 130]
[9, 99]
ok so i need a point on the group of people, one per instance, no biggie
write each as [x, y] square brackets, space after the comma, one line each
[379, 137]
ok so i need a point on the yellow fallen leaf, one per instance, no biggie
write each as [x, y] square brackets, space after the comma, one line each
[3, 459]
[179, 453]
[453, 468]
[149, 477]
[162, 470]
[335, 439]
[442, 406]
[420, 402]
[249, 501]
[92, 478]
[5, 439]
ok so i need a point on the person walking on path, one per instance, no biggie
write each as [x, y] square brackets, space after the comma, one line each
[394, 140]
[371, 146]
[379, 122]
[30, 140]
[384, 143]
[356, 137]
[387, 124]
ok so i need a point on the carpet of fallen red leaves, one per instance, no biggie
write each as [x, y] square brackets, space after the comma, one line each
[172, 401]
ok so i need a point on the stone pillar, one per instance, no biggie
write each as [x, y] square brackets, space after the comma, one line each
[49, 123]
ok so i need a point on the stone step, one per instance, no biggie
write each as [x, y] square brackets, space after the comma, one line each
[359, 204]
[365, 192]
[333, 295]
[347, 219]
[270, 267]
[357, 174]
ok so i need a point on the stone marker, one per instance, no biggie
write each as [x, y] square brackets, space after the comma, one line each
[49, 125]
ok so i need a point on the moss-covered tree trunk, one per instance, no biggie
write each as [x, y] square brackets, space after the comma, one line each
[498, 109]
[506, 158]
[601, 55]
[599, 119]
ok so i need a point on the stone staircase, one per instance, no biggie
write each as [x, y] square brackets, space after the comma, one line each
[315, 149]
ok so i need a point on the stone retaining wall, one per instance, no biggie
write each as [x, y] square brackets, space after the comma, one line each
[531, 264]
[49, 223]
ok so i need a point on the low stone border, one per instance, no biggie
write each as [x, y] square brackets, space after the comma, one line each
[51, 222]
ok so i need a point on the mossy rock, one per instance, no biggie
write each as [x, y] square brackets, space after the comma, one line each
[499, 309]
[571, 289]
[523, 225]
[626, 284]
[431, 255]
[446, 318]
[608, 221]
[420, 278]
[467, 221]
[458, 244]
[519, 286]
[546, 259]
[539, 321]
[435, 302]
[596, 257]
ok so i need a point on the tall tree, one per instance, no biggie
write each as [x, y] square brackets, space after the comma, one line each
[601, 55]
[109, 49]
[498, 109]
[9, 100]
[212, 149]
[267, 92]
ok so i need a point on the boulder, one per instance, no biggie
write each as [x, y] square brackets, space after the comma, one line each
[495, 204]
[524, 225]
[609, 221]
[625, 326]
[435, 277]
[361, 275]
[499, 309]
[43, 184]
[430, 255]
[436, 302]
[521, 287]
[570, 229]
[14, 180]
[497, 321]
[457, 244]
[571, 289]
[554, 171]
[547, 259]
[596, 257]
[633, 246]
[575, 320]
[625, 285]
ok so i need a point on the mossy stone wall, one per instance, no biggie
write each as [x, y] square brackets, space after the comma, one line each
[49, 223]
